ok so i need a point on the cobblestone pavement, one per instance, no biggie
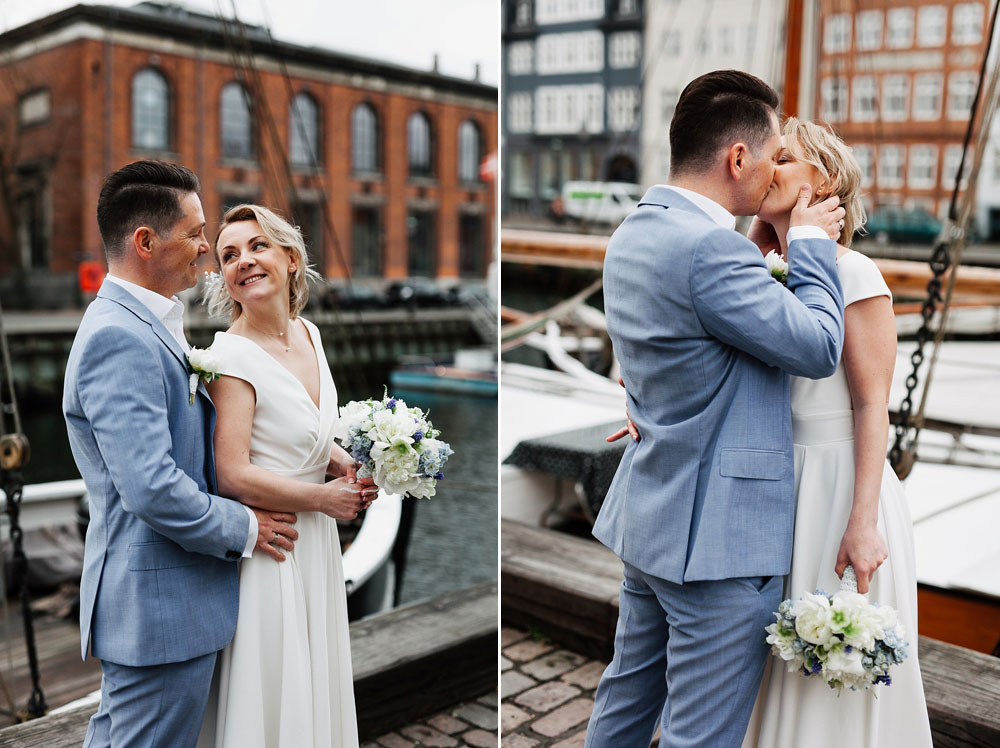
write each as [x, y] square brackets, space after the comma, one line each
[546, 692]
[470, 724]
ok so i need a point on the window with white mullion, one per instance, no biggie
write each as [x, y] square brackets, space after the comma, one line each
[869, 30]
[865, 156]
[967, 23]
[834, 99]
[837, 33]
[961, 93]
[932, 23]
[899, 31]
[895, 97]
[922, 171]
[927, 97]
[890, 166]
[864, 99]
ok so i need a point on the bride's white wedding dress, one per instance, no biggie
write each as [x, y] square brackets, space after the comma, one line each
[793, 711]
[285, 680]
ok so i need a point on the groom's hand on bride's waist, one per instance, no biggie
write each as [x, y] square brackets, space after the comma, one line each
[826, 215]
[275, 533]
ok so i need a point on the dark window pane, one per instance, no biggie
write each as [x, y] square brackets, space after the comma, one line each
[471, 245]
[418, 144]
[364, 139]
[422, 251]
[366, 244]
[309, 218]
[150, 111]
[236, 126]
[468, 152]
[303, 130]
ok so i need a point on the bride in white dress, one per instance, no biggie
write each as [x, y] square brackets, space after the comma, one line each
[285, 680]
[850, 507]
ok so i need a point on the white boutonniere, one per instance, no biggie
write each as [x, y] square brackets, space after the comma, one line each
[777, 266]
[204, 365]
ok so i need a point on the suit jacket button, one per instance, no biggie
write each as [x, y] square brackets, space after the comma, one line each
[233, 554]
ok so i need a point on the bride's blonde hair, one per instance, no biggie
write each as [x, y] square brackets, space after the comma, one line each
[280, 233]
[820, 147]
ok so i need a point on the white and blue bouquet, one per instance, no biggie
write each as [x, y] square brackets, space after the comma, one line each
[843, 638]
[395, 444]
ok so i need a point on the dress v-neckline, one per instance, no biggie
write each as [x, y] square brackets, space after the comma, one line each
[319, 365]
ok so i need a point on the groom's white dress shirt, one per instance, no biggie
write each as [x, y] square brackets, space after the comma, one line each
[171, 313]
[728, 221]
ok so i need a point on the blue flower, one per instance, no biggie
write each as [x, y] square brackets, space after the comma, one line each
[439, 475]
[390, 403]
[417, 436]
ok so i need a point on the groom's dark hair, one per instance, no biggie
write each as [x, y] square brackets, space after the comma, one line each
[716, 110]
[144, 193]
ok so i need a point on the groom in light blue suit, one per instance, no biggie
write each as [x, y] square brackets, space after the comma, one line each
[701, 510]
[158, 597]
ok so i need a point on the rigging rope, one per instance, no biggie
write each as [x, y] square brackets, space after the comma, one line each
[903, 452]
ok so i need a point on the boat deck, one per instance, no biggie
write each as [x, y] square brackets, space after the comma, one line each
[64, 676]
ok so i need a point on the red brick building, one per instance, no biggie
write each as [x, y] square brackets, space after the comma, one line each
[897, 79]
[378, 163]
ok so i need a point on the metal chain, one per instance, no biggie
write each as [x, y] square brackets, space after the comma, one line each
[902, 459]
[13, 485]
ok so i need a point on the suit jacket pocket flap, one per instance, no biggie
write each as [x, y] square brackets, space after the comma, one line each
[762, 464]
[158, 555]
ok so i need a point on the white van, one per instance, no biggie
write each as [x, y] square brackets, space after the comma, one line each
[600, 202]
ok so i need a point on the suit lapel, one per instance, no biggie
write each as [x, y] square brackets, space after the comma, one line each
[112, 291]
[665, 197]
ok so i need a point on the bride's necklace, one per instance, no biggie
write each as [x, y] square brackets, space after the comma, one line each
[284, 340]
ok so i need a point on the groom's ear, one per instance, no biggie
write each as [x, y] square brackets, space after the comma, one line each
[736, 159]
[142, 242]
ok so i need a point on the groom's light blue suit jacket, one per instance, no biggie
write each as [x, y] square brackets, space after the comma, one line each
[706, 340]
[159, 574]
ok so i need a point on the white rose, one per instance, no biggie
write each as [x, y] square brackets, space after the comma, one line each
[205, 360]
[840, 663]
[395, 468]
[774, 262]
[425, 488]
[782, 643]
[392, 428]
[353, 415]
[812, 618]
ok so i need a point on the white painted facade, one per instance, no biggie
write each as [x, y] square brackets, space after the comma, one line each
[687, 38]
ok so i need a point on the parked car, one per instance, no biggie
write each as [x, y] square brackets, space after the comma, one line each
[903, 226]
[354, 296]
[600, 202]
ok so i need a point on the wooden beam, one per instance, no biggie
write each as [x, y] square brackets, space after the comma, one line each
[793, 58]
[408, 663]
[568, 587]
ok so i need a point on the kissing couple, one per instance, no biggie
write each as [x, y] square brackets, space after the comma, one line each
[185, 481]
[759, 421]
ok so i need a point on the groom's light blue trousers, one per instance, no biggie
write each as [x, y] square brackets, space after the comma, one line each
[691, 655]
[160, 706]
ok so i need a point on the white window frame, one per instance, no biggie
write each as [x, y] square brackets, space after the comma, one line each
[565, 11]
[922, 155]
[623, 104]
[830, 87]
[900, 23]
[624, 49]
[570, 52]
[865, 156]
[885, 178]
[521, 58]
[520, 112]
[864, 98]
[569, 109]
[920, 81]
[837, 33]
[962, 84]
[869, 30]
[967, 24]
[932, 26]
[900, 81]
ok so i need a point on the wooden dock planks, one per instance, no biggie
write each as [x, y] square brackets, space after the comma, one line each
[408, 662]
[568, 588]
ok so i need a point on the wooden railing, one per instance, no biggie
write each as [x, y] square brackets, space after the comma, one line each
[408, 663]
[907, 279]
[568, 588]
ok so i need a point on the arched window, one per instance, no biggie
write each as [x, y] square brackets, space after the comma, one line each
[469, 147]
[303, 128]
[235, 123]
[150, 111]
[364, 139]
[419, 145]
